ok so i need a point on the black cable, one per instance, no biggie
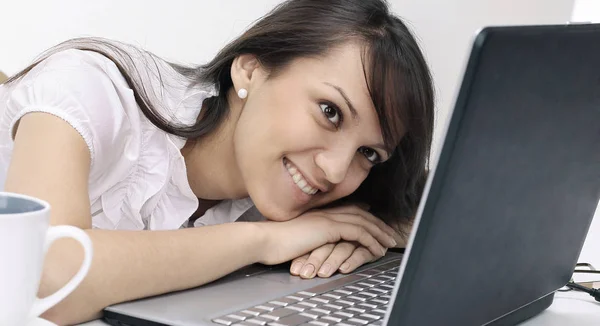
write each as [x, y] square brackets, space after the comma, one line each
[586, 271]
[593, 292]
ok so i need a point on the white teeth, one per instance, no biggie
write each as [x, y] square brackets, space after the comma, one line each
[297, 177]
[299, 180]
[301, 183]
[292, 169]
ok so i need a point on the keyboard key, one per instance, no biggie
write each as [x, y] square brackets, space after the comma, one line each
[354, 288]
[252, 311]
[298, 307]
[312, 314]
[310, 303]
[292, 320]
[225, 320]
[376, 323]
[357, 297]
[358, 320]
[344, 302]
[369, 294]
[320, 322]
[380, 301]
[259, 321]
[325, 311]
[387, 286]
[368, 284]
[243, 323]
[322, 299]
[345, 314]
[333, 284]
[284, 301]
[368, 305]
[378, 279]
[240, 316]
[305, 294]
[267, 306]
[279, 313]
[357, 309]
[296, 297]
[349, 323]
[352, 299]
[343, 291]
[332, 295]
[379, 290]
[378, 312]
[335, 319]
[333, 306]
[370, 316]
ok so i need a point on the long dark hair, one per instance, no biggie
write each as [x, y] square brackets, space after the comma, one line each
[397, 75]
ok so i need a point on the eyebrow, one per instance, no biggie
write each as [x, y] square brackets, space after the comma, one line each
[341, 91]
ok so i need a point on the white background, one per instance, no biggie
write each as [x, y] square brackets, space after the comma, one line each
[191, 31]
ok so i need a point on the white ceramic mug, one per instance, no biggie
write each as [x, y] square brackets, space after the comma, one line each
[25, 236]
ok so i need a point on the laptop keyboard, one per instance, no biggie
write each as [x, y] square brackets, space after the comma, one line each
[355, 300]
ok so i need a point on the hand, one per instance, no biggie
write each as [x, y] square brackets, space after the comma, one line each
[343, 256]
[285, 241]
[326, 260]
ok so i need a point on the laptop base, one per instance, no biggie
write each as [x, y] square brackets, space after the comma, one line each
[526, 312]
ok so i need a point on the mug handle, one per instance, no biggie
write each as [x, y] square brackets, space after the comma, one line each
[55, 233]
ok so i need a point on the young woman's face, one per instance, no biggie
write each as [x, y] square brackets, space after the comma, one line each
[309, 135]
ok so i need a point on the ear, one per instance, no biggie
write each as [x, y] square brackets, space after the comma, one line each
[244, 70]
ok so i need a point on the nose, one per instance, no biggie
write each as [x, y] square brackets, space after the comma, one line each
[335, 163]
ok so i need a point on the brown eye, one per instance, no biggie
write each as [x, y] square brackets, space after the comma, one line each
[331, 113]
[370, 154]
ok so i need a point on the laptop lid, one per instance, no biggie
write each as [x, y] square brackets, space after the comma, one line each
[514, 191]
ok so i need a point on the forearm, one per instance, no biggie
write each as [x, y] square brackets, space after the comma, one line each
[129, 265]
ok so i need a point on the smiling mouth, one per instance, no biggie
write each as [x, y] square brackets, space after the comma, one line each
[299, 179]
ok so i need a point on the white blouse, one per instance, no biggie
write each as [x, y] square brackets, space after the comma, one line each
[138, 176]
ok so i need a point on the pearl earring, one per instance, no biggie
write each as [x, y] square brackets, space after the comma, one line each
[243, 93]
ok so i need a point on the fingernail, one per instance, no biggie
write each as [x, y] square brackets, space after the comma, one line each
[383, 251]
[345, 267]
[324, 271]
[296, 268]
[393, 242]
[308, 270]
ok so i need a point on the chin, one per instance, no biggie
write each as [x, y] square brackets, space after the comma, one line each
[274, 212]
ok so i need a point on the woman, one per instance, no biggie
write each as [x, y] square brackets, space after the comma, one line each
[320, 115]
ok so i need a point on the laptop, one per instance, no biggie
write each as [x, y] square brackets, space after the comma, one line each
[505, 211]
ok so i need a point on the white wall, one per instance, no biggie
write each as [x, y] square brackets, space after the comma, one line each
[184, 30]
[589, 11]
[192, 31]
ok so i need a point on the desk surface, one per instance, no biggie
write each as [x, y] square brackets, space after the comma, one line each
[569, 308]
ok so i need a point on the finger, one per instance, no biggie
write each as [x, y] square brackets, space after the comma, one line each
[352, 232]
[297, 264]
[315, 260]
[357, 210]
[359, 257]
[373, 229]
[340, 253]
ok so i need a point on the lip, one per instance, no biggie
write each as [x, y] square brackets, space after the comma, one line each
[300, 197]
[311, 182]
